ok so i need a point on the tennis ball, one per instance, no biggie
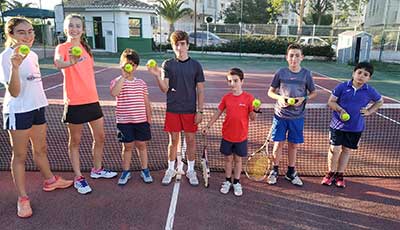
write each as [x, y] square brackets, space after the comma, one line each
[76, 51]
[128, 68]
[256, 103]
[291, 101]
[24, 49]
[151, 63]
[345, 117]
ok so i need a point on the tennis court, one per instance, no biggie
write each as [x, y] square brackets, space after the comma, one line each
[369, 202]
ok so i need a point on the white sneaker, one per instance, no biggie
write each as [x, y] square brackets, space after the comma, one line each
[295, 179]
[102, 174]
[226, 186]
[169, 174]
[82, 186]
[192, 176]
[272, 177]
[237, 189]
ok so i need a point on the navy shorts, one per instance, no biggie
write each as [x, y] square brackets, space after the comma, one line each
[239, 148]
[293, 128]
[133, 132]
[347, 139]
[80, 114]
[21, 121]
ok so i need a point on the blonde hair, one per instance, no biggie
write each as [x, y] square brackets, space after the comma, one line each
[9, 28]
[83, 41]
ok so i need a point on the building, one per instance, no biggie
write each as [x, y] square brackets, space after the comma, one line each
[382, 13]
[113, 25]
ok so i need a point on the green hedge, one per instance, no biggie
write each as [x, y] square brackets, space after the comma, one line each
[263, 45]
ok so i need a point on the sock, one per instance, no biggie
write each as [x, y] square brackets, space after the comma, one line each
[51, 180]
[290, 170]
[96, 170]
[23, 198]
[228, 179]
[190, 166]
[146, 171]
[235, 181]
[276, 168]
[171, 165]
[78, 178]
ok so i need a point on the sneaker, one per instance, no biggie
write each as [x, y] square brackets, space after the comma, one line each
[145, 175]
[24, 209]
[169, 174]
[226, 186]
[340, 181]
[82, 186]
[272, 177]
[192, 176]
[103, 173]
[294, 178]
[328, 179]
[237, 189]
[125, 176]
[59, 183]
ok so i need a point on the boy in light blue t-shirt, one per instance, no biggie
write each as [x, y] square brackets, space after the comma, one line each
[289, 82]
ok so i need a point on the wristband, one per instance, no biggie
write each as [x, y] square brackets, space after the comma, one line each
[257, 111]
[201, 112]
[305, 97]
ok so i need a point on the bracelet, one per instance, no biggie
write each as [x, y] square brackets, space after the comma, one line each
[201, 112]
[305, 97]
[257, 111]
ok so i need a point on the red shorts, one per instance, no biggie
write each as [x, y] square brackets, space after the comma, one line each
[175, 122]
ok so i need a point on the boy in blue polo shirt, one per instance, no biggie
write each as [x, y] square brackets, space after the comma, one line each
[351, 97]
[293, 82]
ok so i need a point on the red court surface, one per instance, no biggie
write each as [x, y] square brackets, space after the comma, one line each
[367, 203]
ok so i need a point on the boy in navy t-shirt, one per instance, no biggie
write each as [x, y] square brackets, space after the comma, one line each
[352, 98]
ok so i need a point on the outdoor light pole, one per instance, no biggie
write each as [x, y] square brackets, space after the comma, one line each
[240, 26]
[195, 23]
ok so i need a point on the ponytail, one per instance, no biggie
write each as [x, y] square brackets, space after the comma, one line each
[85, 45]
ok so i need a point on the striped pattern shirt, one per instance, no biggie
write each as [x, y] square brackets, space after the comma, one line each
[130, 102]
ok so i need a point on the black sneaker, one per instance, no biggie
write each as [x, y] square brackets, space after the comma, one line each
[294, 178]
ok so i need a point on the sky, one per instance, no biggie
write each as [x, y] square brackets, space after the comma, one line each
[46, 4]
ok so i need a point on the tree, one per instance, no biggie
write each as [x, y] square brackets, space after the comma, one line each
[171, 11]
[254, 11]
[318, 8]
[348, 7]
[274, 9]
[16, 4]
[3, 7]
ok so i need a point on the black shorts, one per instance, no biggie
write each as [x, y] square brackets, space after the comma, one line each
[133, 132]
[239, 148]
[21, 121]
[79, 114]
[346, 139]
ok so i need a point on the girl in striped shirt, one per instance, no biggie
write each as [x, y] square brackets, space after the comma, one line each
[133, 115]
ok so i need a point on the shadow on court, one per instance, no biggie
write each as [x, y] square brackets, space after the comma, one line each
[367, 203]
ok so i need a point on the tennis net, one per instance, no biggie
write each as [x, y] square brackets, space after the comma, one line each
[378, 154]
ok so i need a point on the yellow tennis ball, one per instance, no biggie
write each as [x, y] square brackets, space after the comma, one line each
[345, 117]
[291, 101]
[152, 63]
[256, 103]
[128, 68]
[76, 51]
[24, 49]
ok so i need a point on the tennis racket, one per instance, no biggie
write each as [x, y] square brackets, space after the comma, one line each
[204, 163]
[259, 163]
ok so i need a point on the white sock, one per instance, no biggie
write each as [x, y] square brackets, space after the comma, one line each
[171, 165]
[190, 166]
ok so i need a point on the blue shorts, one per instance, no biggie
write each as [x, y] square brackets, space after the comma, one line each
[293, 128]
[239, 148]
[21, 121]
[133, 132]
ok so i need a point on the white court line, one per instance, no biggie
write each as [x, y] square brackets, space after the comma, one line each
[172, 206]
[56, 86]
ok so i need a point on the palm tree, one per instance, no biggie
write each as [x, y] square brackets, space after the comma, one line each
[171, 11]
[3, 7]
[14, 4]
